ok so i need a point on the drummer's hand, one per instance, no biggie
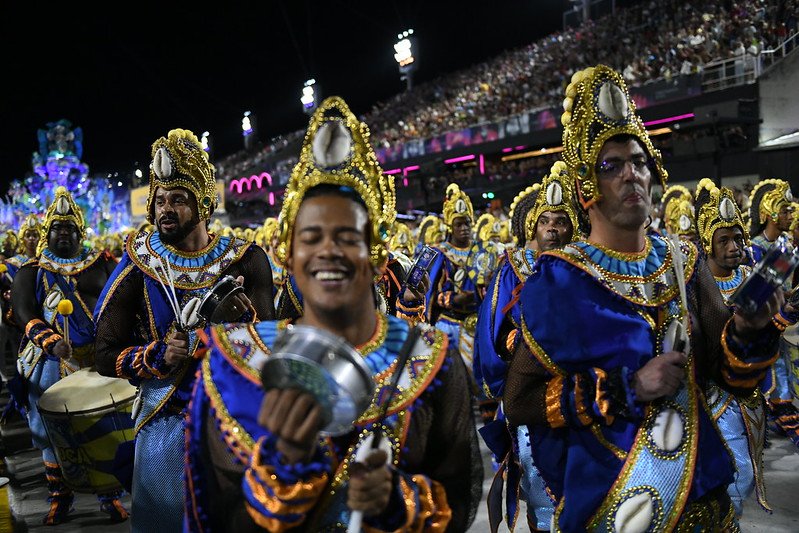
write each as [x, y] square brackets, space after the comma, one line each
[177, 348]
[62, 349]
[370, 484]
[747, 326]
[415, 295]
[231, 310]
[293, 417]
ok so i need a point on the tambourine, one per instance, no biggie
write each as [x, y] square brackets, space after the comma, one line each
[326, 367]
[421, 265]
[224, 289]
[772, 272]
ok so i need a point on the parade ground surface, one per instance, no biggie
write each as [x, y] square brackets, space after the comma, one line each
[28, 493]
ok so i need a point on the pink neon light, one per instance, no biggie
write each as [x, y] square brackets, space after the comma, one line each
[459, 159]
[482, 164]
[392, 171]
[409, 169]
[666, 120]
[271, 198]
[518, 147]
[404, 182]
[506, 150]
[258, 179]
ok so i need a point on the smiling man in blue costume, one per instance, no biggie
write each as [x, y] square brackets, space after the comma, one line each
[543, 217]
[256, 460]
[141, 335]
[741, 419]
[611, 376]
[770, 215]
[65, 269]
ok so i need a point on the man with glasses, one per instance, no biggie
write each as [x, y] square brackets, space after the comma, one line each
[611, 377]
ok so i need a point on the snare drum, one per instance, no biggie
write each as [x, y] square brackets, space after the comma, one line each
[791, 338]
[87, 416]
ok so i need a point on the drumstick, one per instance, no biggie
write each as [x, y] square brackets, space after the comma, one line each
[65, 309]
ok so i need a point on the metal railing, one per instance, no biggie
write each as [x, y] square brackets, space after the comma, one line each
[746, 68]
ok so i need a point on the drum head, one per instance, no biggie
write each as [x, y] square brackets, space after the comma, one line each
[86, 390]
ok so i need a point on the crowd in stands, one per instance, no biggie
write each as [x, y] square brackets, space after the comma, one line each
[649, 41]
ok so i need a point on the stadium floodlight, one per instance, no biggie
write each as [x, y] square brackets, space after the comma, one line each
[403, 55]
[246, 124]
[309, 96]
[206, 141]
[248, 130]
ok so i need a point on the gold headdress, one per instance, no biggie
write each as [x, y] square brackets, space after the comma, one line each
[768, 197]
[401, 238]
[597, 107]
[270, 227]
[456, 204]
[31, 222]
[504, 232]
[794, 215]
[63, 209]
[556, 194]
[180, 161]
[678, 210]
[487, 227]
[431, 230]
[519, 209]
[716, 208]
[10, 239]
[336, 151]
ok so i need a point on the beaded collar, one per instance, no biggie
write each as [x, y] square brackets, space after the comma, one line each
[457, 255]
[192, 270]
[522, 261]
[646, 278]
[67, 267]
[728, 284]
[245, 346]
[19, 260]
[641, 264]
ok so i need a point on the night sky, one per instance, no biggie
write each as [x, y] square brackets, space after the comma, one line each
[128, 78]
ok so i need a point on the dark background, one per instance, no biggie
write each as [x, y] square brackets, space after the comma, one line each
[126, 73]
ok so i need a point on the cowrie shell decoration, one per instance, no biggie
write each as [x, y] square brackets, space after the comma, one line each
[554, 193]
[612, 102]
[727, 209]
[635, 514]
[668, 430]
[162, 164]
[62, 206]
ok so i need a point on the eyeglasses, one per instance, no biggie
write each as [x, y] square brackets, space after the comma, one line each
[613, 167]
